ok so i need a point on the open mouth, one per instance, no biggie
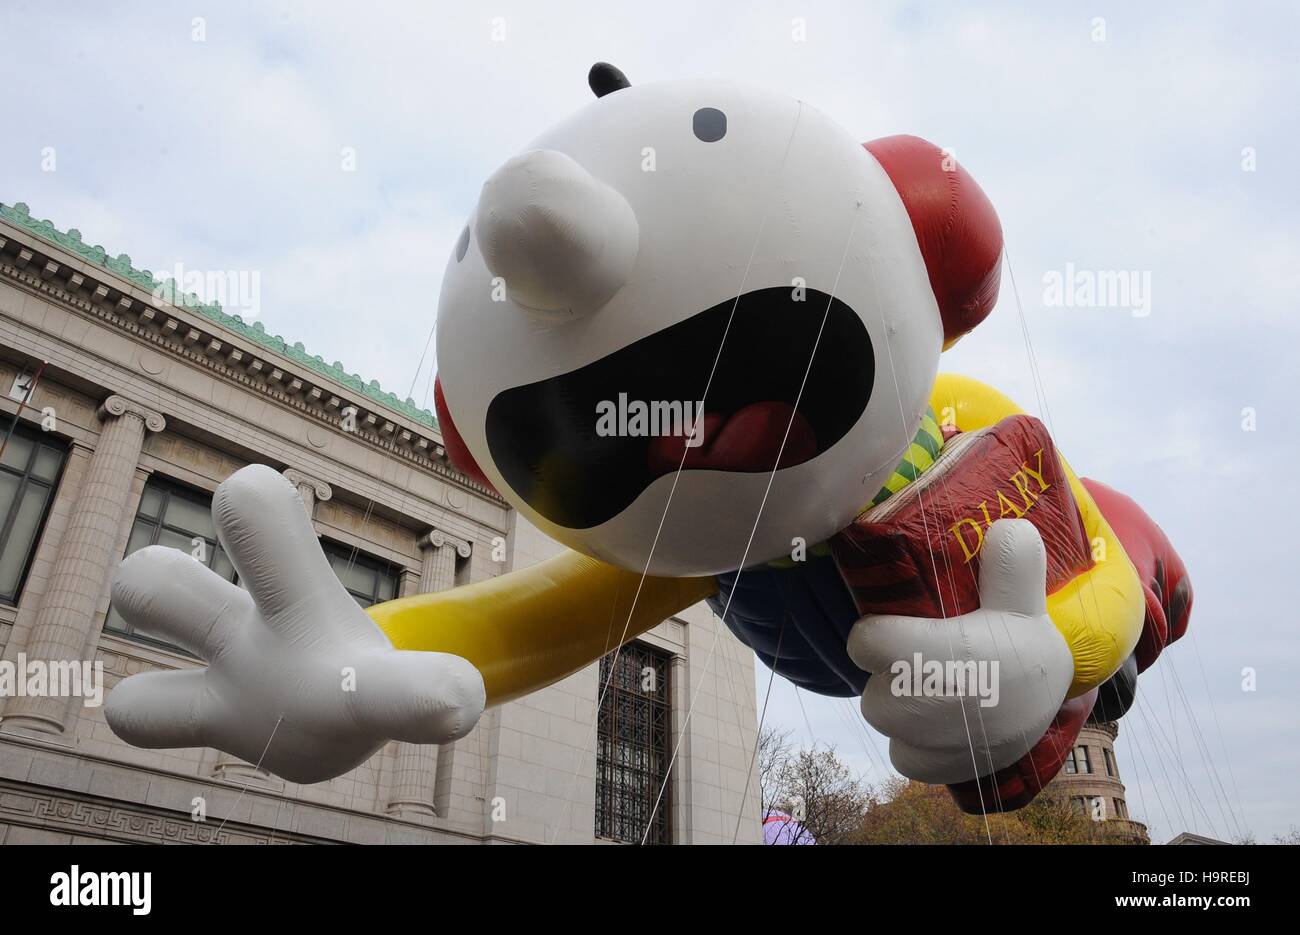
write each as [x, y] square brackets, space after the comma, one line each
[552, 440]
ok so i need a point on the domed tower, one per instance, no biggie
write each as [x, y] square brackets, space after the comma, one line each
[1091, 779]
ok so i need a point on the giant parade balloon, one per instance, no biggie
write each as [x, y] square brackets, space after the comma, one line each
[693, 333]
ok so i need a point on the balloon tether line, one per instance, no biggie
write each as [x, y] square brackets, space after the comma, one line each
[256, 766]
[568, 799]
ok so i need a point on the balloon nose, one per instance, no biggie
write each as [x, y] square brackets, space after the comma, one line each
[563, 241]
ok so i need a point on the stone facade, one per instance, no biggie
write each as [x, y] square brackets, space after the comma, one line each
[1096, 786]
[137, 389]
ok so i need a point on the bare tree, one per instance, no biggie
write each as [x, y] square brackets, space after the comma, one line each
[773, 752]
[826, 798]
[816, 789]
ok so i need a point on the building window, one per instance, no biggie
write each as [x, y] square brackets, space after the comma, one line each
[369, 580]
[633, 746]
[179, 517]
[1121, 808]
[1110, 761]
[1079, 805]
[1076, 761]
[29, 474]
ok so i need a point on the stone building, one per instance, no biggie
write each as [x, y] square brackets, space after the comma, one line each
[1189, 838]
[1091, 779]
[148, 400]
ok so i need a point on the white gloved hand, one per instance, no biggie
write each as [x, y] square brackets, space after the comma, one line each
[952, 736]
[293, 655]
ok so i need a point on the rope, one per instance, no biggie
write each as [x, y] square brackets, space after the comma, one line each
[740, 291]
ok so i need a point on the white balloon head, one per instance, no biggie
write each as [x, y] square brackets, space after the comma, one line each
[688, 256]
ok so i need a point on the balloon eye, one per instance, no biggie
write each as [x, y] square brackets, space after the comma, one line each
[710, 124]
[462, 244]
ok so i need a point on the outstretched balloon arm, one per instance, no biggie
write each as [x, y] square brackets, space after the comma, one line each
[298, 678]
[531, 627]
[301, 681]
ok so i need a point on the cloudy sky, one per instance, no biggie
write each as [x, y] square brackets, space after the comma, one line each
[1157, 142]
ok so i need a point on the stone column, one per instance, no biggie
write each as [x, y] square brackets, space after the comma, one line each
[415, 770]
[87, 556]
[311, 490]
[438, 552]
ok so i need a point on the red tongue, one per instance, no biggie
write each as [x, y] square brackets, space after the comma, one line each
[748, 441]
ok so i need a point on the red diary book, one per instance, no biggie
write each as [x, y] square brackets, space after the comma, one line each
[918, 552]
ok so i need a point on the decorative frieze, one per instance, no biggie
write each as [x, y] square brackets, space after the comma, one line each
[366, 524]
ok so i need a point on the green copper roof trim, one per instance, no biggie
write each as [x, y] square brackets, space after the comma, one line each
[20, 216]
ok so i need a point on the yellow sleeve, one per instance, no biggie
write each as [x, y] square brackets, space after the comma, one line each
[1100, 612]
[536, 625]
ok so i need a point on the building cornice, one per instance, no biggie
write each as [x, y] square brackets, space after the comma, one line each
[20, 216]
[117, 294]
[1109, 728]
